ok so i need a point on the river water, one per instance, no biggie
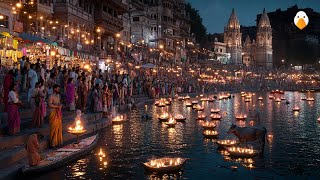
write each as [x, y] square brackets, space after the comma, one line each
[292, 153]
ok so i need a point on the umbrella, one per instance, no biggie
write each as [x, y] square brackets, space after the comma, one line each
[148, 66]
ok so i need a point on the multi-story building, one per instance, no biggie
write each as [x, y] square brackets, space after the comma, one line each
[250, 53]
[290, 44]
[6, 18]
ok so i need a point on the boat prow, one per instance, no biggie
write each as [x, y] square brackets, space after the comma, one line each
[60, 157]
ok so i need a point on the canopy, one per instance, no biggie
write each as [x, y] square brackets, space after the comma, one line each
[32, 38]
[6, 34]
[148, 66]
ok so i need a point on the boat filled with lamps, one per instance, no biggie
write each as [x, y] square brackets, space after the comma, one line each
[227, 143]
[164, 164]
[215, 117]
[164, 117]
[209, 125]
[210, 134]
[179, 118]
[239, 152]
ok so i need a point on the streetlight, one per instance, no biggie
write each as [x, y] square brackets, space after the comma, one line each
[118, 35]
[161, 46]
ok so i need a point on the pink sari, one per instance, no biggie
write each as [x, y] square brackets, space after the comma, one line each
[13, 119]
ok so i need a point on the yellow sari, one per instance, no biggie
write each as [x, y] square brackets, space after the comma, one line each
[55, 121]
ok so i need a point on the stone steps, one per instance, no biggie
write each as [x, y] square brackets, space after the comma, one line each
[16, 153]
[17, 159]
[11, 141]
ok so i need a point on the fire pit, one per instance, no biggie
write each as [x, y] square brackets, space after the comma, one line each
[78, 130]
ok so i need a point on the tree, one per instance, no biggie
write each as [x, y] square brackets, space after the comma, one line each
[197, 28]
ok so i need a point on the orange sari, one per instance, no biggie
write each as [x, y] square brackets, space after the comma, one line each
[33, 148]
[55, 121]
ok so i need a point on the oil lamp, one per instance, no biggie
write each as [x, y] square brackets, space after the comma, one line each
[210, 134]
[242, 152]
[77, 130]
[227, 143]
[179, 118]
[241, 117]
[208, 125]
[118, 119]
[215, 117]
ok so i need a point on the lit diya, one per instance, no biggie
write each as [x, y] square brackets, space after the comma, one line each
[189, 104]
[199, 108]
[209, 125]
[215, 111]
[283, 98]
[179, 118]
[187, 97]
[171, 123]
[241, 117]
[195, 102]
[201, 117]
[277, 100]
[165, 164]
[204, 99]
[303, 98]
[215, 117]
[310, 99]
[227, 143]
[211, 99]
[118, 119]
[180, 98]
[271, 97]
[210, 134]
[164, 117]
[247, 100]
[168, 103]
[239, 152]
[296, 109]
[260, 98]
[161, 104]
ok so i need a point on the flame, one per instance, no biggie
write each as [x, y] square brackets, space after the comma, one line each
[165, 162]
[78, 128]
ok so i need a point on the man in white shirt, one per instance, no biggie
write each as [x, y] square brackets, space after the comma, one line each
[32, 80]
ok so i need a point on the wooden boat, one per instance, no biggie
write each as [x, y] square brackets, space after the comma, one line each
[209, 125]
[201, 117]
[171, 125]
[165, 164]
[62, 156]
[310, 99]
[210, 134]
[283, 99]
[260, 98]
[215, 111]
[180, 98]
[277, 100]
[187, 97]
[227, 143]
[238, 152]
[161, 104]
[164, 117]
[241, 117]
[303, 99]
[271, 97]
[215, 117]
[247, 100]
[180, 118]
[118, 120]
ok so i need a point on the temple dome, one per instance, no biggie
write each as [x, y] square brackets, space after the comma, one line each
[264, 20]
[233, 21]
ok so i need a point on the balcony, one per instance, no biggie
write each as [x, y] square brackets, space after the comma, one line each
[121, 7]
[110, 24]
[137, 4]
[45, 8]
[67, 12]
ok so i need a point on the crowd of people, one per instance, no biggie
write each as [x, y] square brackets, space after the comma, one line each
[70, 88]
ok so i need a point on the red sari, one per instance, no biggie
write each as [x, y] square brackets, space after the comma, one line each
[13, 118]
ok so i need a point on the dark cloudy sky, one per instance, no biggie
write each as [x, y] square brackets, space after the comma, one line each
[215, 13]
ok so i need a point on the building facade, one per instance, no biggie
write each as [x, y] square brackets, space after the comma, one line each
[249, 52]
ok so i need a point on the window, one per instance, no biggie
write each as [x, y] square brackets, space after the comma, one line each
[220, 50]
[4, 21]
[135, 19]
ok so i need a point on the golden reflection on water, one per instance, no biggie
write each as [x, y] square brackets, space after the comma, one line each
[103, 159]
[78, 170]
[118, 134]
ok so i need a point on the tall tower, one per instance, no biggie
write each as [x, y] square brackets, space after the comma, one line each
[264, 42]
[232, 38]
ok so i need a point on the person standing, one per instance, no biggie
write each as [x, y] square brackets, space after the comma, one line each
[70, 94]
[37, 105]
[83, 95]
[7, 82]
[55, 117]
[32, 80]
[13, 110]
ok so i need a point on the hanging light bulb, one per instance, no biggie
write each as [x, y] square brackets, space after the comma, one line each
[19, 5]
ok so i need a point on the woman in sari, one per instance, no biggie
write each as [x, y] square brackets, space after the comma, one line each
[7, 82]
[83, 94]
[70, 94]
[97, 97]
[55, 118]
[38, 103]
[13, 110]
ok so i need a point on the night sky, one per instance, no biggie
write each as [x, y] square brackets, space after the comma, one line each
[215, 13]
